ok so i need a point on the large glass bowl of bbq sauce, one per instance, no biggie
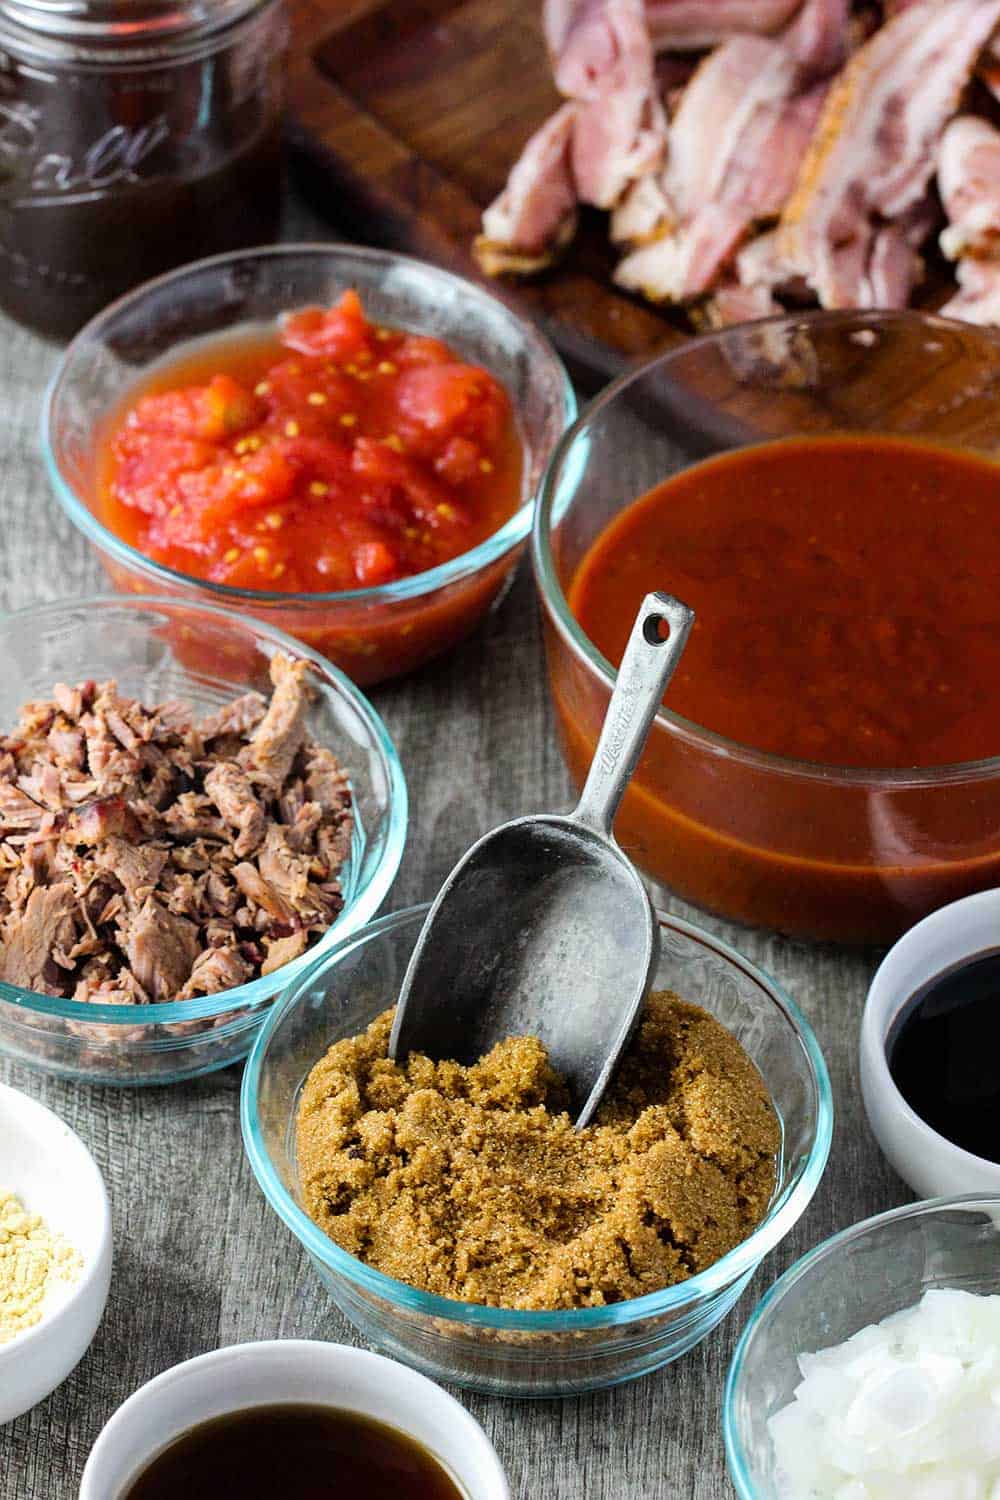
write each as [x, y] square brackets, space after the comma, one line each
[862, 787]
[135, 135]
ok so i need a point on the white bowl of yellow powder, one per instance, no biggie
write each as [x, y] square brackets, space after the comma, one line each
[55, 1251]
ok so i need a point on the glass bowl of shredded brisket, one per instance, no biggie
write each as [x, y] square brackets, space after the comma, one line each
[192, 807]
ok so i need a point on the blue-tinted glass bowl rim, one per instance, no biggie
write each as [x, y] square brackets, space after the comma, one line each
[510, 535]
[783, 1213]
[366, 901]
[738, 1468]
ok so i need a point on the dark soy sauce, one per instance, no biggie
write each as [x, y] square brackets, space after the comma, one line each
[295, 1452]
[943, 1052]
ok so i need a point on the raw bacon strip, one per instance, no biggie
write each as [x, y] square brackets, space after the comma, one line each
[581, 48]
[819, 36]
[894, 267]
[750, 288]
[620, 129]
[580, 43]
[989, 68]
[602, 58]
[761, 264]
[644, 213]
[978, 296]
[534, 218]
[969, 183]
[735, 148]
[691, 25]
[969, 180]
[762, 270]
[612, 132]
[733, 303]
[873, 155]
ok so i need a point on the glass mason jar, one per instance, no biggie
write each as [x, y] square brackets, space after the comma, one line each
[135, 135]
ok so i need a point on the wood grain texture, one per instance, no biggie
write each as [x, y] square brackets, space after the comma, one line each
[200, 1259]
[368, 82]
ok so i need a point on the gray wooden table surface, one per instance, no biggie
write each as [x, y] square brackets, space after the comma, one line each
[200, 1260]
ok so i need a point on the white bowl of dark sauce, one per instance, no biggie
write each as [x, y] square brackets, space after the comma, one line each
[292, 1419]
[930, 1050]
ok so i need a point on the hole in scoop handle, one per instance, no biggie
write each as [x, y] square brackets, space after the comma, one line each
[647, 666]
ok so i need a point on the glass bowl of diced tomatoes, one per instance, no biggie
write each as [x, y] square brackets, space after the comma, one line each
[343, 442]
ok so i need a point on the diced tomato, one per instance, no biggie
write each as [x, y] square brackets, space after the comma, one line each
[424, 494]
[259, 566]
[459, 462]
[316, 391]
[229, 408]
[335, 571]
[149, 467]
[418, 349]
[438, 402]
[346, 455]
[221, 409]
[438, 397]
[318, 458]
[374, 563]
[334, 332]
[264, 478]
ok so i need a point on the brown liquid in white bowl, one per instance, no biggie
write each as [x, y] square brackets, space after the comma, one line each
[294, 1452]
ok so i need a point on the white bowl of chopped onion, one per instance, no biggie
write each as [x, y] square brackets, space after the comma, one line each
[55, 1251]
[872, 1367]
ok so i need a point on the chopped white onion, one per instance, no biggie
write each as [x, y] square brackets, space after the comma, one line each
[909, 1407]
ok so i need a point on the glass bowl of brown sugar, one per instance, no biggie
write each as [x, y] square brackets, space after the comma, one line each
[512, 1351]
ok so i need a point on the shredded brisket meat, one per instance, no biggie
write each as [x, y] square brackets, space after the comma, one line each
[145, 856]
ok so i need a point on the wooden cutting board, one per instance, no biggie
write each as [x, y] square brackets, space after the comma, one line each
[407, 115]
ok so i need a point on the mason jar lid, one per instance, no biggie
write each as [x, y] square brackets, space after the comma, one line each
[116, 30]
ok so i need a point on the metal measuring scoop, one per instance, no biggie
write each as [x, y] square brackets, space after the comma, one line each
[544, 928]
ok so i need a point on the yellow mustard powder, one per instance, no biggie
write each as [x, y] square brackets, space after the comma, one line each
[32, 1260]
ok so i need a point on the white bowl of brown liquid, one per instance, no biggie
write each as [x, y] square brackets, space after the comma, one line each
[292, 1418]
[930, 1051]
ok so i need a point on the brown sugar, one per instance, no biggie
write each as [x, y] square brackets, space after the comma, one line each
[472, 1183]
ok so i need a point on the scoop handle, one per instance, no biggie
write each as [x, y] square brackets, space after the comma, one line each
[647, 666]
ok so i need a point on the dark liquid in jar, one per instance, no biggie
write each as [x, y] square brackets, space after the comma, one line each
[297, 1453]
[60, 265]
[943, 1050]
[111, 176]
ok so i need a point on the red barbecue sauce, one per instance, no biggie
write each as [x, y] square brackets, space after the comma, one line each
[846, 595]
